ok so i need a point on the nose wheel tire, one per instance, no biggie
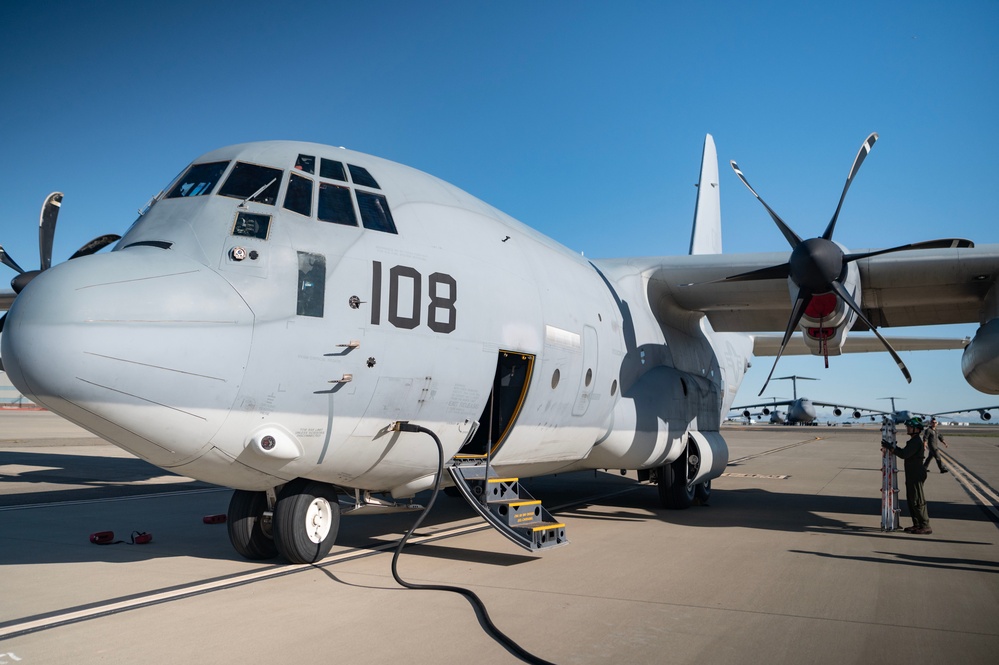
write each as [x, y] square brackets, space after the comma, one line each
[248, 532]
[306, 521]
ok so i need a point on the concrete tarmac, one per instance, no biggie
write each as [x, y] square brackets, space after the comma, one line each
[787, 564]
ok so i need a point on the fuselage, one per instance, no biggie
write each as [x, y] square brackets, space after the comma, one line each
[281, 304]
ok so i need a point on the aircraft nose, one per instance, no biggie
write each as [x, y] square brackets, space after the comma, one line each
[143, 347]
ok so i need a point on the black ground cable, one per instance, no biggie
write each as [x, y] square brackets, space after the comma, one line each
[497, 634]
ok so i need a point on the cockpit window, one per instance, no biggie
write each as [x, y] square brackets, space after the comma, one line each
[249, 181]
[360, 176]
[251, 225]
[306, 163]
[335, 205]
[200, 179]
[375, 212]
[332, 169]
[298, 198]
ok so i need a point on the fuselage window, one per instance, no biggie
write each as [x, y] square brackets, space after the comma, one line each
[332, 169]
[311, 284]
[248, 181]
[306, 163]
[361, 177]
[375, 213]
[298, 198]
[200, 179]
[335, 205]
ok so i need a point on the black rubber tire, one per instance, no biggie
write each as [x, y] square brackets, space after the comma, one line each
[702, 492]
[306, 520]
[244, 524]
[673, 491]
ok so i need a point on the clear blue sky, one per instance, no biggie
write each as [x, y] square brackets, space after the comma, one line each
[582, 119]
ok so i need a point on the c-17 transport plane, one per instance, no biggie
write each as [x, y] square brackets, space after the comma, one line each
[290, 319]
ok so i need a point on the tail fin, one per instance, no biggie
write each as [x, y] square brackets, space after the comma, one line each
[706, 235]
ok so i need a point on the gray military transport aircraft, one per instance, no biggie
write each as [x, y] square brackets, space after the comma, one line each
[291, 320]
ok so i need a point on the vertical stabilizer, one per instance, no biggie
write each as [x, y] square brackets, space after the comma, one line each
[706, 236]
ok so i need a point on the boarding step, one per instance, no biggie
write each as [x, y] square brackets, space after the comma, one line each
[505, 504]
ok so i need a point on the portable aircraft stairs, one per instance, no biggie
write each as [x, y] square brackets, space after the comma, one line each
[505, 504]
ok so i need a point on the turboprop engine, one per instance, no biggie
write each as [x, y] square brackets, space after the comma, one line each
[980, 362]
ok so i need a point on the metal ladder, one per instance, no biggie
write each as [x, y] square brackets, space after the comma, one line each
[889, 478]
[505, 504]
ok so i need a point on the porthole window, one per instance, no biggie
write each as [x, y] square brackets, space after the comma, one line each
[555, 378]
[614, 388]
[589, 377]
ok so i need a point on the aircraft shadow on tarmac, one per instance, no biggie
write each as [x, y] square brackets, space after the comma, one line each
[932, 562]
[84, 477]
[176, 521]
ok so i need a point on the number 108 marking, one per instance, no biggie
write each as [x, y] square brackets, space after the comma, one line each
[442, 315]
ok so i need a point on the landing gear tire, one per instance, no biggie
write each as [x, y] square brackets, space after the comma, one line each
[247, 531]
[702, 492]
[306, 520]
[674, 493]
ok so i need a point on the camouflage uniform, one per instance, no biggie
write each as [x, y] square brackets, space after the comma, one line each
[915, 474]
[931, 436]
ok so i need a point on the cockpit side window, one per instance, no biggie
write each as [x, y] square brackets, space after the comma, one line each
[250, 181]
[311, 284]
[200, 179]
[335, 205]
[298, 198]
[332, 170]
[375, 212]
[360, 176]
[306, 163]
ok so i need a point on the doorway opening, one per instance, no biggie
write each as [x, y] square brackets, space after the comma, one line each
[513, 377]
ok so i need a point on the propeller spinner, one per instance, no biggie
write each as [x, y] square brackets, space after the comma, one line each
[46, 235]
[818, 266]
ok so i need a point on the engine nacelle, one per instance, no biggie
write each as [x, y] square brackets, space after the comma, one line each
[856, 414]
[837, 411]
[827, 319]
[980, 362]
[985, 415]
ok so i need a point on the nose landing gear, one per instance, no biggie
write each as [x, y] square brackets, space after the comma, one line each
[301, 527]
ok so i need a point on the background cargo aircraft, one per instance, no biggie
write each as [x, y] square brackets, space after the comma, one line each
[291, 319]
[801, 410]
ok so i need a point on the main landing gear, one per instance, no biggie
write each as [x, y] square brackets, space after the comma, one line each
[673, 480]
[300, 522]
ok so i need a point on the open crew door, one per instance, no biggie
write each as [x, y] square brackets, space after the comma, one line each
[513, 377]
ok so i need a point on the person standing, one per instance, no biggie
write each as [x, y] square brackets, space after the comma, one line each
[931, 436]
[915, 474]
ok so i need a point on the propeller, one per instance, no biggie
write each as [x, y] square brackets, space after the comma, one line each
[46, 236]
[818, 266]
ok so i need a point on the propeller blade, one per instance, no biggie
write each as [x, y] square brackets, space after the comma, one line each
[944, 243]
[46, 229]
[841, 291]
[95, 245]
[800, 303]
[792, 237]
[9, 262]
[861, 155]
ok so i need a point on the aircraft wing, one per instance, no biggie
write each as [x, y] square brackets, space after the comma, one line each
[6, 298]
[841, 405]
[926, 287]
[979, 410]
[769, 344]
[770, 405]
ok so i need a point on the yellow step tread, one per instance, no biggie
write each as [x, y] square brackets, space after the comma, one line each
[546, 527]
